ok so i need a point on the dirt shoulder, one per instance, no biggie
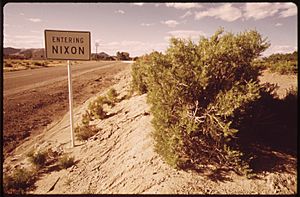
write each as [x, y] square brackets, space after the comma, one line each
[28, 112]
[120, 159]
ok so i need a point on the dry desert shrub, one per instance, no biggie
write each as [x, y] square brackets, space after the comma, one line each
[38, 159]
[19, 182]
[198, 92]
[84, 132]
[66, 161]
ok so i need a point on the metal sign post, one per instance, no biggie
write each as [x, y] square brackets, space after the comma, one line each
[71, 103]
[68, 45]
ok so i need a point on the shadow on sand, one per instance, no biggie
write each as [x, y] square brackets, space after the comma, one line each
[267, 136]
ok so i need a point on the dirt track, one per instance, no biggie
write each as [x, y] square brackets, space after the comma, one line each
[28, 112]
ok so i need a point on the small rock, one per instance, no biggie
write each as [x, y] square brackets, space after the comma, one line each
[14, 159]
[146, 113]
[154, 173]
[72, 168]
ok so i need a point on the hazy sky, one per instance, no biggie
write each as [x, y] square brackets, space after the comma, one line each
[143, 27]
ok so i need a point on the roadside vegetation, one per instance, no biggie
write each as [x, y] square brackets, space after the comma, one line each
[97, 110]
[285, 64]
[38, 159]
[66, 161]
[20, 181]
[85, 131]
[204, 96]
[23, 179]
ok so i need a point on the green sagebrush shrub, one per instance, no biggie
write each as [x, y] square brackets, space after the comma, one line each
[195, 91]
[112, 95]
[95, 108]
[38, 159]
[66, 161]
[19, 182]
[84, 132]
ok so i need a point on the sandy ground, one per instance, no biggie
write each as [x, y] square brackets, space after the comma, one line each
[283, 81]
[120, 159]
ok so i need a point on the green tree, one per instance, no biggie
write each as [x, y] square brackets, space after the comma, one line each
[123, 56]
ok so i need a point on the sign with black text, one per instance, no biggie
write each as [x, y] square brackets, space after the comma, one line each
[67, 45]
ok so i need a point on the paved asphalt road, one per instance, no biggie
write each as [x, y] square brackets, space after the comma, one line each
[17, 81]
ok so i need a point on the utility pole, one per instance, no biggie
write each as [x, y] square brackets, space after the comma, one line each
[96, 44]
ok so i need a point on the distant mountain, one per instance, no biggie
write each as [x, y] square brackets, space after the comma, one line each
[10, 50]
[13, 53]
